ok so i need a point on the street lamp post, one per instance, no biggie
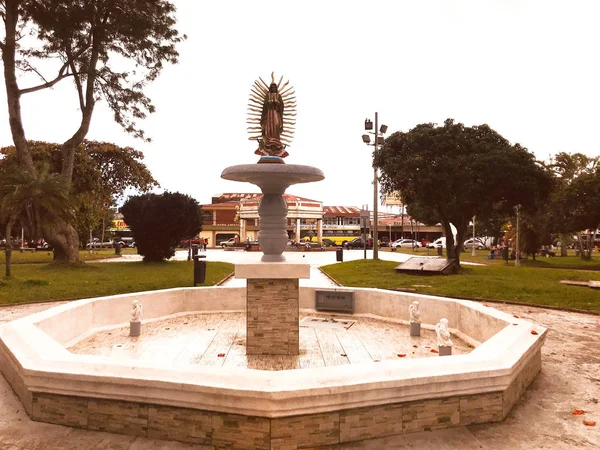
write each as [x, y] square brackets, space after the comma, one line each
[473, 252]
[379, 132]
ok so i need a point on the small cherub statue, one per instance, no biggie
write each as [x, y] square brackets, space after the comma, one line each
[443, 335]
[136, 312]
[414, 313]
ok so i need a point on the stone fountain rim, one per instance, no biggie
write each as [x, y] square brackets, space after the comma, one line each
[43, 365]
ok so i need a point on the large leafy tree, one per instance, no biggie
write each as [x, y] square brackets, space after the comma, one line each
[574, 204]
[458, 172]
[34, 199]
[102, 174]
[577, 207]
[110, 49]
[160, 222]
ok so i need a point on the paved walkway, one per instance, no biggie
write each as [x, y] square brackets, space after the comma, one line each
[542, 419]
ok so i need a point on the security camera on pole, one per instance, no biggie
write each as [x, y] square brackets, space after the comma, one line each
[377, 142]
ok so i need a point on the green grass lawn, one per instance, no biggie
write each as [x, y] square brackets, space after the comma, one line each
[39, 282]
[566, 262]
[533, 285]
[45, 256]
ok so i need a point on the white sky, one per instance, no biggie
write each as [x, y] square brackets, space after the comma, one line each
[529, 69]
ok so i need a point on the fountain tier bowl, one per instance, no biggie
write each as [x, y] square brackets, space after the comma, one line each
[273, 178]
[244, 408]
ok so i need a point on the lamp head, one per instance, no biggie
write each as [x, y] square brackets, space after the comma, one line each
[366, 138]
[383, 128]
[368, 124]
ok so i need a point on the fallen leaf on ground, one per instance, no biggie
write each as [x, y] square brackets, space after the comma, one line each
[433, 350]
[578, 412]
[589, 423]
[515, 316]
[343, 354]
[534, 332]
[221, 355]
[376, 360]
[485, 304]
[401, 355]
[414, 346]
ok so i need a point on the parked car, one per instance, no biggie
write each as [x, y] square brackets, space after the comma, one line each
[185, 243]
[229, 242]
[439, 242]
[125, 242]
[328, 242]
[406, 243]
[468, 244]
[95, 243]
[359, 243]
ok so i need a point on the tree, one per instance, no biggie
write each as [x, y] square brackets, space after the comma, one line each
[35, 199]
[88, 38]
[459, 172]
[160, 222]
[102, 175]
[578, 208]
[574, 203]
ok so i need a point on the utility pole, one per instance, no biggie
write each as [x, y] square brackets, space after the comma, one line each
[375, 194]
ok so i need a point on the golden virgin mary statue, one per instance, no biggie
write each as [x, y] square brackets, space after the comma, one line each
[271, 116]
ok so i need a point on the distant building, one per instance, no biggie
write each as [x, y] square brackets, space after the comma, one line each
[236, 214]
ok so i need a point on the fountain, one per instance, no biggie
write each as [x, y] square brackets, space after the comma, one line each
[272, 320]
[394, 392]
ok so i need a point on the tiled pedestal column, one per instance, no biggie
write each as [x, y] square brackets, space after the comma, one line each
[272, 296]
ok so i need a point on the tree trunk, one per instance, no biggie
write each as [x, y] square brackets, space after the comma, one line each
[63, 237]
[451, 249]
[8, 250]
[13, 95]
[563, 244]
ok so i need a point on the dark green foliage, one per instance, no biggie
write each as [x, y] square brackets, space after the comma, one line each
[160, 222]
[453, 173]
[102, 173]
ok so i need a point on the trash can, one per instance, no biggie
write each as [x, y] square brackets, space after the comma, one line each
[117, 248]
[199, 268]
[440, 251]
[194, 250]
[339, 254]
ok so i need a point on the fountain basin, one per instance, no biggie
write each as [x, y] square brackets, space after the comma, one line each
[270, 409]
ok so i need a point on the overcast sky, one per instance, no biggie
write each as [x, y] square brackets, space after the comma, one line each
[529, 69]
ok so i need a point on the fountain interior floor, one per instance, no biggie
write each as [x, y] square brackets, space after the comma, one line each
[219, 339]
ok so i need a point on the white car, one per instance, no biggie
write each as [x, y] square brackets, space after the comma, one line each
[468, 244]
[438, 243]
[406, 243]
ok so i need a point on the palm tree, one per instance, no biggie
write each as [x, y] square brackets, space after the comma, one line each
[36, 199]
